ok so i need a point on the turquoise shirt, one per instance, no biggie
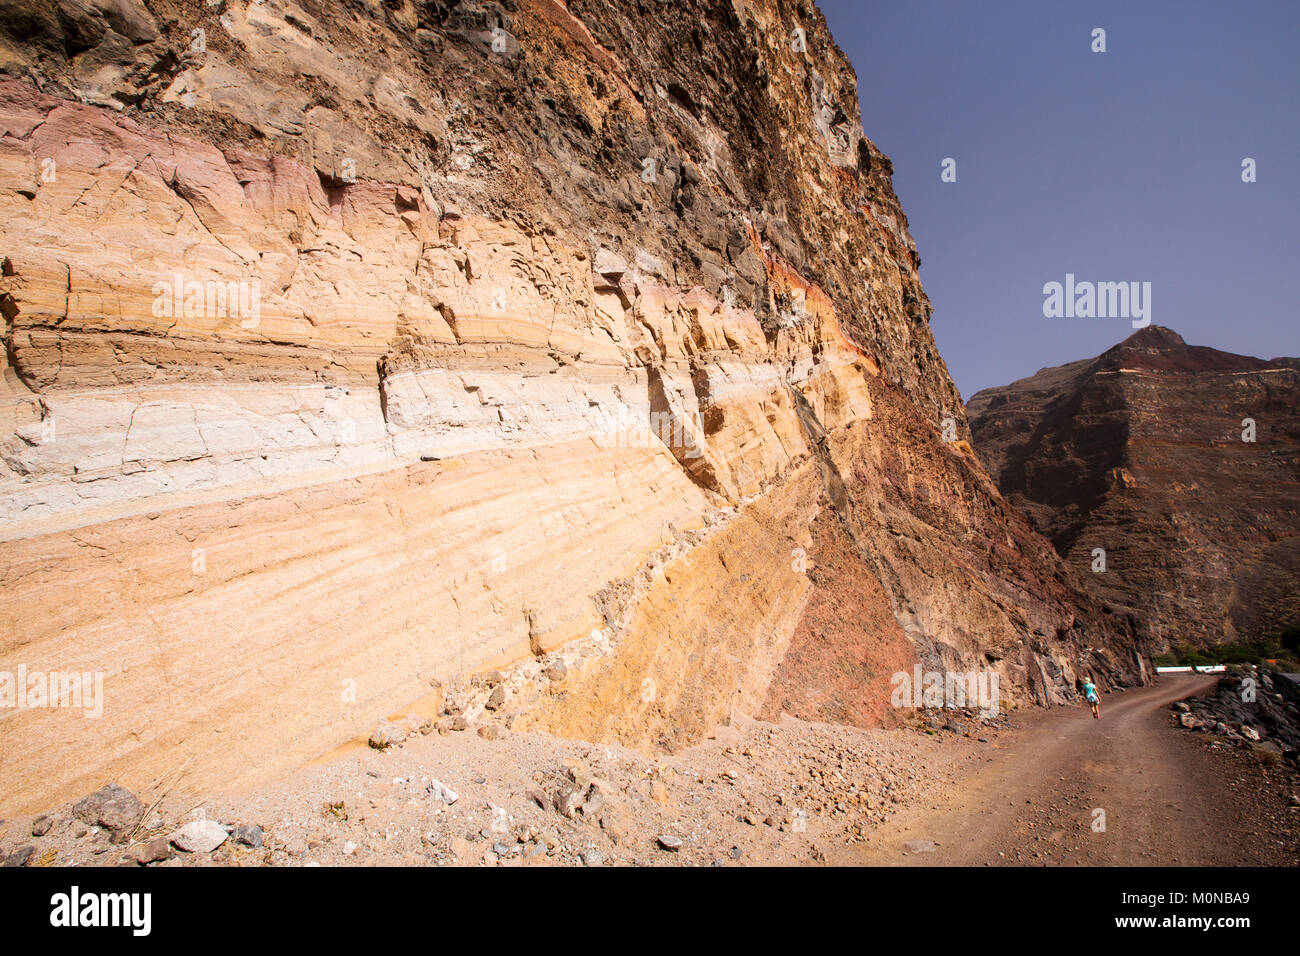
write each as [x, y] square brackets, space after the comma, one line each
[1090, 691]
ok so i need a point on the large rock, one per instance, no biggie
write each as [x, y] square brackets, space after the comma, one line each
[248, 835]
[19, 857]
[114, 807]
[151, 851]
[199, 836]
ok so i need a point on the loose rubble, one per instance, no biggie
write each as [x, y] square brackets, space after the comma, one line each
[759, 793]
[1252, 708]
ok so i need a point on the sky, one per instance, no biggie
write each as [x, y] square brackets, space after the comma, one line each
[1122, 166]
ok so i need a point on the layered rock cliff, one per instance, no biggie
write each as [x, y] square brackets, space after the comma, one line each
[356, 347]
[1180, 463]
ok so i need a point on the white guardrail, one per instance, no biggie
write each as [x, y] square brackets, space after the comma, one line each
[1207, 669]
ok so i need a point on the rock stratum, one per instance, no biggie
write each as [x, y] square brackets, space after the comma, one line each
[356, 348]
[1180, 462]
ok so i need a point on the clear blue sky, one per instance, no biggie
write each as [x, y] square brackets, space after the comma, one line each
[1115, 166]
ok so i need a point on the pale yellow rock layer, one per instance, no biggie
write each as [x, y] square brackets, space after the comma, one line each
[237, 633]
[228, 515]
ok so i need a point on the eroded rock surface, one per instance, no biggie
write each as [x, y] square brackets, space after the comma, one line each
[355, 347]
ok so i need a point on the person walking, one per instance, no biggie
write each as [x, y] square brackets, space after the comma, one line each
[1090, 693]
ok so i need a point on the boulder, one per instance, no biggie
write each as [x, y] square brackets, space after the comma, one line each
[248, 836]
[151, 851]
[20, 856]
[114, 808]
[199, 836]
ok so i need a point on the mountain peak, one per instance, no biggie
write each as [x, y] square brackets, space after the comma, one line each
[1160, 349]
[1154, 337]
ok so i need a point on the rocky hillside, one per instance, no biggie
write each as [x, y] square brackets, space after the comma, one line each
[1180, 462]
[354, 348]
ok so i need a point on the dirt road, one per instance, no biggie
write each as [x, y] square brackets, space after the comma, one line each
[1130, 789]
[1023, 793]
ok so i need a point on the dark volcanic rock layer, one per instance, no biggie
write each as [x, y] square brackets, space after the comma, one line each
[1141, 452]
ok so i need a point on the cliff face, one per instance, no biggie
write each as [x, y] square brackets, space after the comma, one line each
[1146, 453]
[351, 347]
